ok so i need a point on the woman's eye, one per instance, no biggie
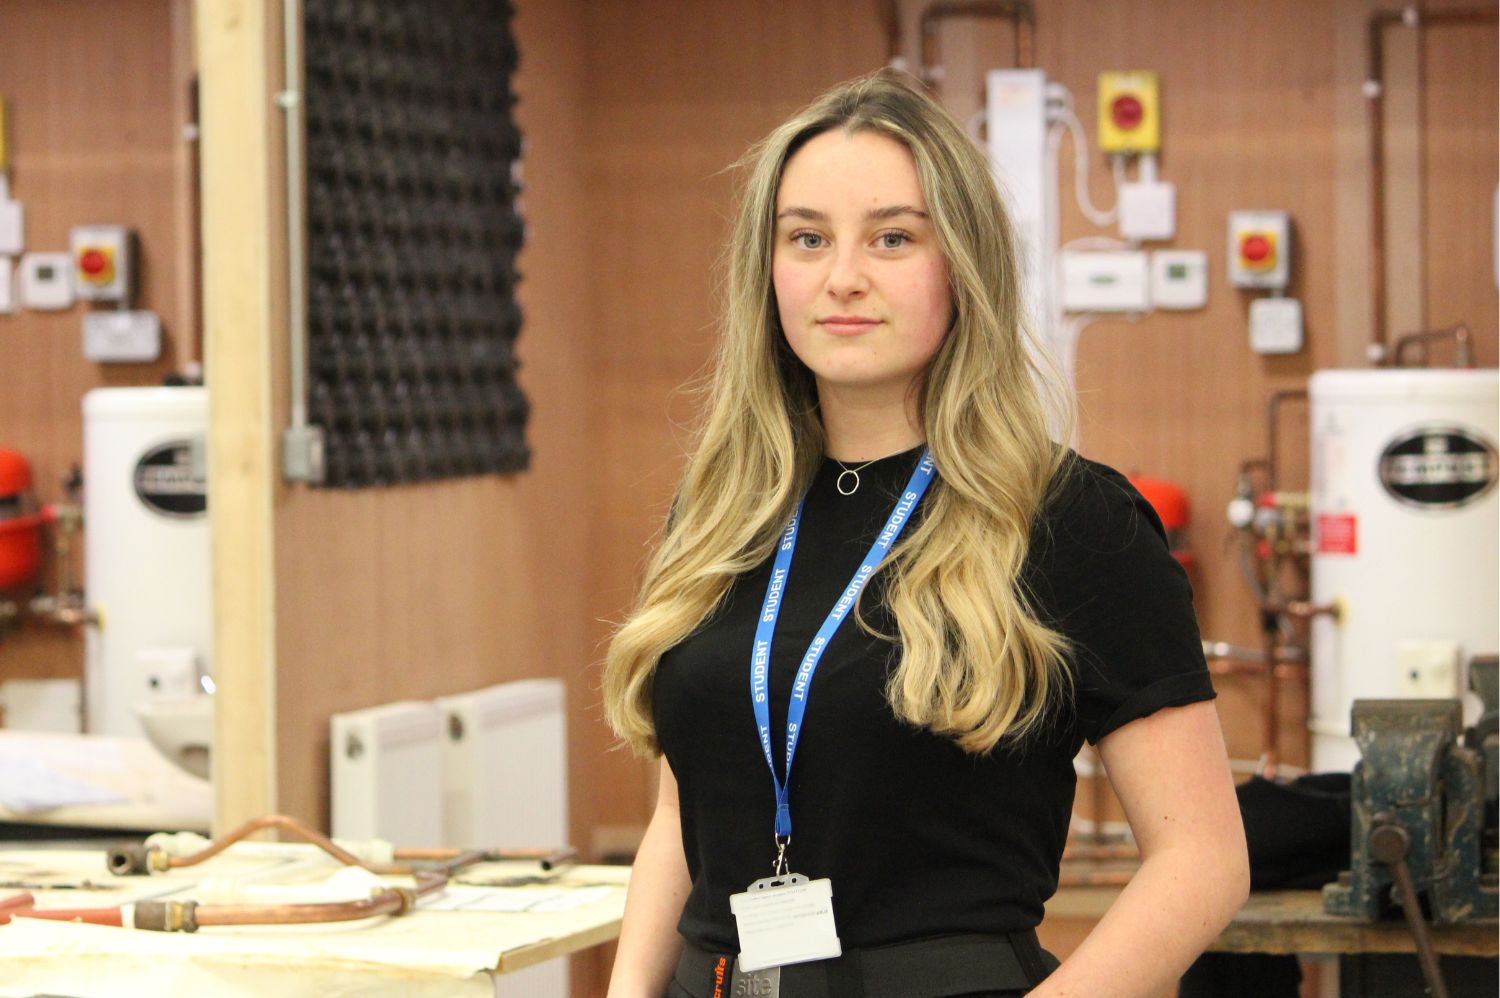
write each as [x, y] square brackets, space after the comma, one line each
[893, 240]
[808, 240]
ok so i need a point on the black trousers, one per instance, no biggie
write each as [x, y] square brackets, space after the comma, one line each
[963, 966]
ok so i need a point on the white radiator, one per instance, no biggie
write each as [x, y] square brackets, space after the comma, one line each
[382, 764]
[502, 755]
[505, 784]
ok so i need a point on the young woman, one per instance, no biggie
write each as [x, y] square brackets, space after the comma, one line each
[878, 806]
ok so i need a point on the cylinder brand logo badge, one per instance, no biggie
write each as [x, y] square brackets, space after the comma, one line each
[170, 479]
[1438, 466]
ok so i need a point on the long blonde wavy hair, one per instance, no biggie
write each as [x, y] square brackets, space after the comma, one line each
[976, 664]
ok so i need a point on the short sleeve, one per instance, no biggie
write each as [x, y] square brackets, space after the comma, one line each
[1100, 572]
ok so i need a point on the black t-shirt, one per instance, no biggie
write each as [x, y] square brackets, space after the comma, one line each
[918, 837]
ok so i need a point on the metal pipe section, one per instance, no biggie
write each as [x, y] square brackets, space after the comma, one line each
[1411, 16]
[1273, 408]
[1463, 345]
[301, 444]
[1018, 12]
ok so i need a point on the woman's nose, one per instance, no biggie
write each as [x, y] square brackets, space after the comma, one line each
[847, 277]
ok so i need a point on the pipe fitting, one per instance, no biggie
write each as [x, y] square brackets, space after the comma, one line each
[167, 916]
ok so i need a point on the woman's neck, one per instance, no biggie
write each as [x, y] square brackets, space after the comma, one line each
[862, 427]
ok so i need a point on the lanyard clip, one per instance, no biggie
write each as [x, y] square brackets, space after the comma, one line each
[778, 868]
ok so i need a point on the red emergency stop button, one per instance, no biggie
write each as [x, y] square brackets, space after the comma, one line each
[1258, 250]
[1126, 112]
[96, 266]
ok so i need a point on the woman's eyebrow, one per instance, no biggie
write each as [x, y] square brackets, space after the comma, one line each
[874, 214]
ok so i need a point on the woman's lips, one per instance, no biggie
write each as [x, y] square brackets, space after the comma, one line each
[847, 325]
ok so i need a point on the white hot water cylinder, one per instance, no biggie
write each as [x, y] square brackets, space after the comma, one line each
[1406, 540]
[147, 550]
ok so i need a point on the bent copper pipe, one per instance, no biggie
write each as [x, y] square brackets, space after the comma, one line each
[1413, 16]
[1018, 12]
[189, 916]
[1463, 345]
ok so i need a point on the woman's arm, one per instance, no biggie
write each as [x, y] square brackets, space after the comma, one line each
[649, 943]
[1170, 771]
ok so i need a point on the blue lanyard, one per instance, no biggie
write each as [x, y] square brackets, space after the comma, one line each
[802, 685]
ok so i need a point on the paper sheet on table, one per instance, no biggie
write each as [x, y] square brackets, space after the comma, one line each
[28, 784]
[460, 898]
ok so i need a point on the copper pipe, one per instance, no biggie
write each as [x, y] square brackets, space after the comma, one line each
[277, 821]
[1099, 850]
[25, 899]
[1094, 878]
[1018, 12]
[392, 901]
[1273, 406]
[1303, 609]
[1273, 703]
[550, 859]
[1284, 672]
[1412, 16]
[93, 916]
[892, 32]
[1463, 345]
[1219, 650]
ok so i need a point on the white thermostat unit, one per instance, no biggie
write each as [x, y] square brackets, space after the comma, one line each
[103, 261]
[121, 337]
[1179, 279]
[1106, 282]
[46, 281]
[1276, 325]
[1260, 249]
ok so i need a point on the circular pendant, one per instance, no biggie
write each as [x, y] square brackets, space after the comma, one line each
[839, 483]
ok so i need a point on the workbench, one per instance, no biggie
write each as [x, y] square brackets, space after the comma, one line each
[512, 915]
[1292, 922]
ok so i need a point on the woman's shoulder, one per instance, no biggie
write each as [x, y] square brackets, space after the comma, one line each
[1092, 508]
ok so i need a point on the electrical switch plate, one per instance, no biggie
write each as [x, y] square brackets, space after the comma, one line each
[103, 261]
[1276, 325]
[1179, 279]
[121, 337]
[7, 285]
[1106, 282]
[46, 281]
[1129, 112]
[12, 228]
[1148, 210]
[1260, 249]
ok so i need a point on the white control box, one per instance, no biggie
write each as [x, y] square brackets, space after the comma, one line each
[1276, 325]
[1148, 210]
[46, 281]
[12, 228]
[103, 261]
[7, 285]
[1260, 249]
[1106, 282]
[121, 337]
[1179, 279]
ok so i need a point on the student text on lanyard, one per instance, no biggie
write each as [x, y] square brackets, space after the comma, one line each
[766, 627]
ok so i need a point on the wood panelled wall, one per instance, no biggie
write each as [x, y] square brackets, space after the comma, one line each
[632, 112]
[77, 159]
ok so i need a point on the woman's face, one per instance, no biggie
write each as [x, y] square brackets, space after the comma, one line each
[861, 285]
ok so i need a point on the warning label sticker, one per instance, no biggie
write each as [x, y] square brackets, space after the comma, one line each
[1337, 533]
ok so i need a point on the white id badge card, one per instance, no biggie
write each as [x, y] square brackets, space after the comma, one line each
[787, 919]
